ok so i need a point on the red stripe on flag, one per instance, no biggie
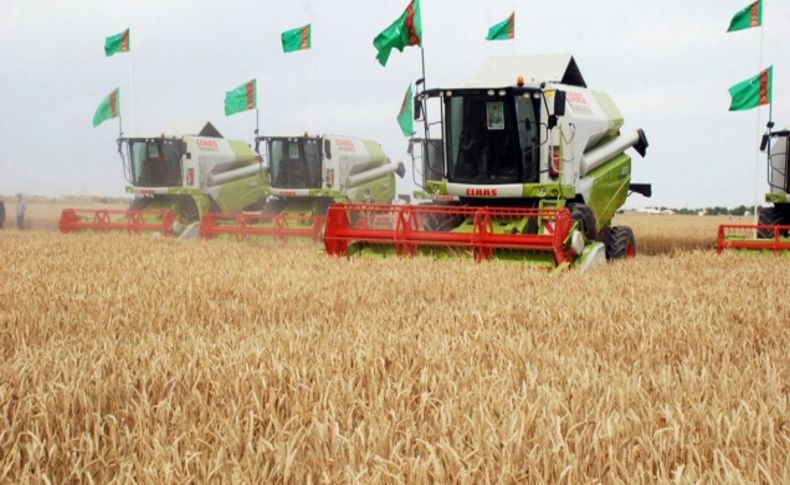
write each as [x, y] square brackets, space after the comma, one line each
[305, 37]
[250, 95]
[414, 39]
[753, 15]
[114, 103]
[125, 41]
[763, 88]
[403, 105]
[511, 25]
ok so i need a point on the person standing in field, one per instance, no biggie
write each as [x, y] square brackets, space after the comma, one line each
[2, 214]
[20, 212]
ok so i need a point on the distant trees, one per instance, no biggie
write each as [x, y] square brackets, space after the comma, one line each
[739, 211]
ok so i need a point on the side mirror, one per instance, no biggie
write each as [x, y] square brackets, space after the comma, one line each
[764, 143]
[559, 103]
[417, 109]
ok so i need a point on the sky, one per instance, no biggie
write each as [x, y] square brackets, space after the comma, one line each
[667, 65]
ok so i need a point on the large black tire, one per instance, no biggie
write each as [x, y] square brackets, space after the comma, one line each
[620, 243]
[771, 216]
[583, 214]
[188, 211]
[139, 203]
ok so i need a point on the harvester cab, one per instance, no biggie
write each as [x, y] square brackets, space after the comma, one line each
[772, 232]
[177, 177]
[536, 159]
[308, 174]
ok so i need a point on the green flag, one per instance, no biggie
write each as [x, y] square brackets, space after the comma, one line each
[405, 116]
[504, 30]
[116, 43]
[296, 39]
[749, 17]
[753, 92]
[243, 98]
[109, 108]
[405, 31]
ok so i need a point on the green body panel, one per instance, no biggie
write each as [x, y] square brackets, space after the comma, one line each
[542, 259]
[610, 109]
[243, 152]
[332, 194]
[380, 190]
[375, 151]
[437, 187]
[554, 190]
[233, 196]
[611, 182]
[776, 198]
[238, 194]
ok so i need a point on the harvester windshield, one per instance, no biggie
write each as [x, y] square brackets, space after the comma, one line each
[492, 137]
[295, 163]
[155, 162]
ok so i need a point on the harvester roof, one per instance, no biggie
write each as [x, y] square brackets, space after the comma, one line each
[193, 128]
[497, 72]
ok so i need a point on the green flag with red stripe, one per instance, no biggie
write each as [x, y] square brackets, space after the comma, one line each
[753, 92]
[405, 115]
[117, 43]
[109, 108]
[749, 17]
[405, 31]
[297, 39]
[242, 98]
[503, 30]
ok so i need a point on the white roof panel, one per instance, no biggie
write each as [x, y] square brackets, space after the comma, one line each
[497, 72]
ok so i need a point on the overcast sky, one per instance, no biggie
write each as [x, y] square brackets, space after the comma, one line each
[666, 64]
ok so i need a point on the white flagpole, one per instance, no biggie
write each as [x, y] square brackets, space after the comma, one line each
[757, 168]
[311, 55]
[513, 41]
[131, 93]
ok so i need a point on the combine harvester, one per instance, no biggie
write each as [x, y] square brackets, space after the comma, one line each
[772, 233]
[536, 160]
[177, 177]
[308, 174]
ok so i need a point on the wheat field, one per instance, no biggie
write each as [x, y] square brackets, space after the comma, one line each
[140, 359]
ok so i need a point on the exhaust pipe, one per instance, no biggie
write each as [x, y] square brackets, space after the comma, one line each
[361, 178]
[221, 178]
[598, 156]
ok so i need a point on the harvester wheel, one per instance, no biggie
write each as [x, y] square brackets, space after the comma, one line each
[770, 216]
[621, 243]
[583, 214]
[189, 211]
[139, 203]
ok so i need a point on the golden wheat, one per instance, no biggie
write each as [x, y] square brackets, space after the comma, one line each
[132, 358]
[669, 234]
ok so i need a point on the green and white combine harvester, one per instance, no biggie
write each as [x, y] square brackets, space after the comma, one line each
[536, 162]
[307, 175]
[177, 177]
[772, 233]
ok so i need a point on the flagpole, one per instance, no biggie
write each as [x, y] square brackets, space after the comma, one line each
[257, 121]
[757, 169]
[513, 43]
[312, 89]
[131, 95]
